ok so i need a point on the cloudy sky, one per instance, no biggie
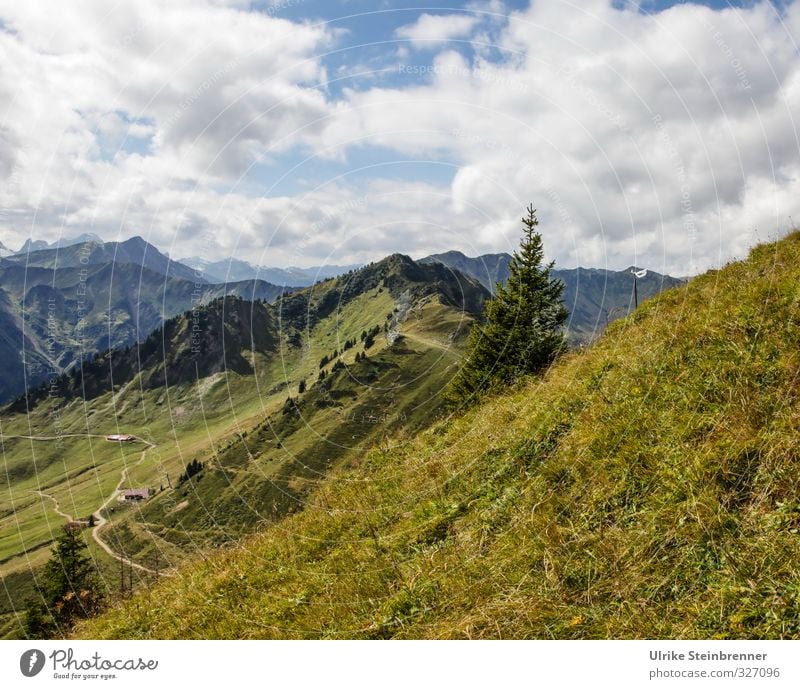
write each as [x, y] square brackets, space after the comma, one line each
[301, 132]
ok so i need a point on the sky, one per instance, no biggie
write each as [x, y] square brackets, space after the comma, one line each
[302, 132]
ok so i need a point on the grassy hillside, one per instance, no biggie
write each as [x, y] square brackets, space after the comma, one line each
[648, 487]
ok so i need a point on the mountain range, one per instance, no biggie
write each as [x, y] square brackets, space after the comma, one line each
[59, 305]
[247, 406]
[31, 244]
[65, 301]
[594, 297]
[135, 251]
[249, 395]
[236, 269]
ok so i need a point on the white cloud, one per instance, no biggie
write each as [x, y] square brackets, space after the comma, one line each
[108, 109]
[664, 140]
[432, 29]
[640, 137]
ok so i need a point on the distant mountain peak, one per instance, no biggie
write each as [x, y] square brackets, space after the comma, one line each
[236, 269]
[138, 240]
[31, 245]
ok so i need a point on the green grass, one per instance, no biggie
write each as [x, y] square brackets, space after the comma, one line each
[645, 488]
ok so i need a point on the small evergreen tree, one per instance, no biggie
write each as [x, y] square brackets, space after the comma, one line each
[301, 388]
[522, 333]
[69, 589]
[192, 469]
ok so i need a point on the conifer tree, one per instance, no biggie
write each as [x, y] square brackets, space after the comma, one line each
[522, 333]
[69, 589]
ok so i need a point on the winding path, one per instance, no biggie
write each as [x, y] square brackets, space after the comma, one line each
[100, 520]
[446, 347]
[56, 507]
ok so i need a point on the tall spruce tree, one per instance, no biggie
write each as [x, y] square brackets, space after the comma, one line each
[522, 333]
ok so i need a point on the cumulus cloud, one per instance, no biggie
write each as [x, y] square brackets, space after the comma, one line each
[432, 29]
[112, 109]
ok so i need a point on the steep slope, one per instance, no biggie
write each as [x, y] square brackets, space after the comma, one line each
[594, 297]
[194, 345]
[646, 488]
[418, 318]
[16, 347]
[70, 313]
